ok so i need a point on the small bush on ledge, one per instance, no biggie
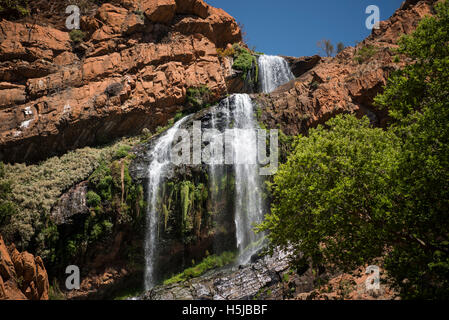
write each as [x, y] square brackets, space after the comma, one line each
[209, 263]
[15, 8]
[365, 53]
[77, 36]
[198, 97]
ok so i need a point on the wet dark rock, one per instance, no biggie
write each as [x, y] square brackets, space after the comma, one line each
[71, 204]
[236, 283]
[301, 65]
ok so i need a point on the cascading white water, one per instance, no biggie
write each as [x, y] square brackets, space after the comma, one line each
[237, 112]
[273, 72]
[161, 158]
[220, 114]
[248, 193]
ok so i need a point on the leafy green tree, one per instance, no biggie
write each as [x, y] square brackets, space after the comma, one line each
[331, 198]
[418, 100]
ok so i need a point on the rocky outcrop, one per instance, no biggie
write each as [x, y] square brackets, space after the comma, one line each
[347, 83]
[238, 283]
[275, 278]
[131, 71]
[301, 65]
[352, 286]
[22, 276]
[70, 204]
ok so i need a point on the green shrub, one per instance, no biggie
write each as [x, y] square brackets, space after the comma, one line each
[332, 194]
[16, 8]
[245, 61]
[365, 53]
[77, 36]
[178, 116]
[198, 97]
[228, 52]
[122, 152]
[36, 188]
[93, 199]
[209, 263]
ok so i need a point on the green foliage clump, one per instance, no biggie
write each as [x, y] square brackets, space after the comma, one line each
[198, 98]
[15, 8]
[7, 207]
[209, 263]
[184, 202]
[122, 152]
[329, 197]
[77, 36]
[93, 199]
[35, 190]
[245, 61]
[112, 189]
[178, 116]
[228, 52]
[418, 101]
[115, 201]
[365, 53]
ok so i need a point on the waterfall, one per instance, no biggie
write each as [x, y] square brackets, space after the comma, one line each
[160, 155]
[248, 193]
[234, 116]
[237, 111]
[273, 72]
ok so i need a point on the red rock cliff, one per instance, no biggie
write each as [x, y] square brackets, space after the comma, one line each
[132, 71]
[22, 276]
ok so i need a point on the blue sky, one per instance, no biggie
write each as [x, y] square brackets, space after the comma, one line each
[293, 27]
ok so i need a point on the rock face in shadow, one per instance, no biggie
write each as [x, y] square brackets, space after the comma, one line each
[301, 65]
[131, 70]
[346, 83]
[70, 204]
[22, 276]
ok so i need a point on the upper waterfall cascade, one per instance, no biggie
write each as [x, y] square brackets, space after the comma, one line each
[274, 71]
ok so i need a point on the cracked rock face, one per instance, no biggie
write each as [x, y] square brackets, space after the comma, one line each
[237, 283]
[131, 71]
[22, 276]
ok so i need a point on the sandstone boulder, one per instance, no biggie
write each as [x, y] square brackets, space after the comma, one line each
[159, 11]
[22, 276]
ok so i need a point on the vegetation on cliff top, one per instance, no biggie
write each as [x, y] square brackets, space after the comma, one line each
[15, 8]
[246, 62]
[36, 188]
[349, 193]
